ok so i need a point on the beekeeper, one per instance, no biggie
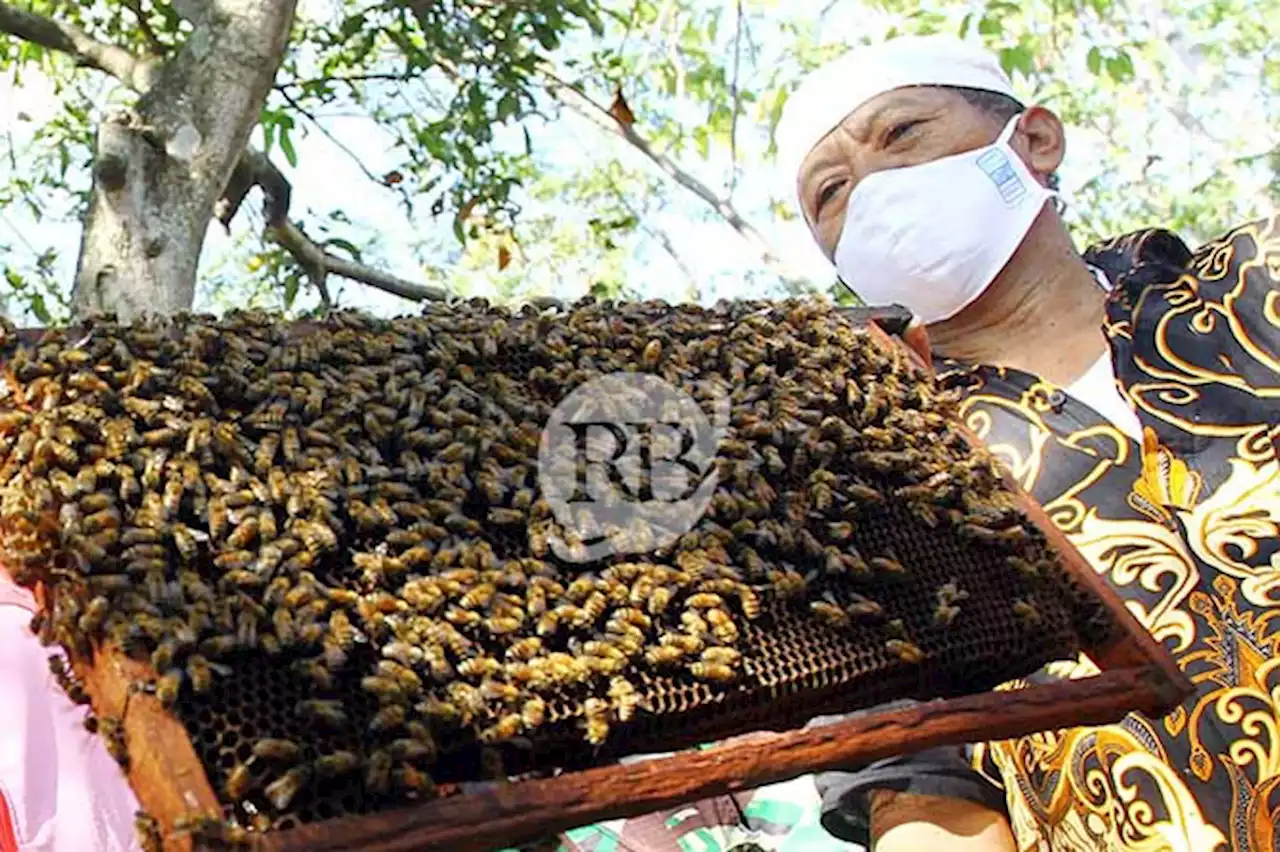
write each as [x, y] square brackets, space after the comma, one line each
[1133, 389]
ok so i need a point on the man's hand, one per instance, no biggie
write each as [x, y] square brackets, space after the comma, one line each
[904, 822]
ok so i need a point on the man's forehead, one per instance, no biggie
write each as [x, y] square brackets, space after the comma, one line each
[863, 119]
[859, 124]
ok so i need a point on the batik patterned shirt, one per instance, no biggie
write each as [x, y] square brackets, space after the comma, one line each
[1184, 526]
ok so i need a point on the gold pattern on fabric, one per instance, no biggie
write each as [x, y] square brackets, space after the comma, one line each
[1186, 528]
[1227, 529]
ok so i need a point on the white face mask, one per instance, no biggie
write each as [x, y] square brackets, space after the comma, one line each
[933, 237]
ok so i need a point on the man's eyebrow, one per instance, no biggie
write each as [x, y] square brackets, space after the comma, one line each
[906, 101]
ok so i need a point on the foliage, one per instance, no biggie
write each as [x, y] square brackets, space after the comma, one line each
[467, 163]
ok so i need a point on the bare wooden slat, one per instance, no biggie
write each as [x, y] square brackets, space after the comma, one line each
[164, 770]
[515, 813]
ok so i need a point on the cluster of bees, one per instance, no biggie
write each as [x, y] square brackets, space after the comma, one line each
[199, 488]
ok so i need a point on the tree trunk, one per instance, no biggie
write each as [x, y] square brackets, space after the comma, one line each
[159, 168]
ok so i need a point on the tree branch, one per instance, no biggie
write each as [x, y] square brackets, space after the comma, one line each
[137, 74]
[320, 263]
[737, 101]
[158, 47]
[346, 79]
[575, 100]
[252, 169]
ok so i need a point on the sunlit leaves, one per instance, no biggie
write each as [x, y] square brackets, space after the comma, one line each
[1170, 106]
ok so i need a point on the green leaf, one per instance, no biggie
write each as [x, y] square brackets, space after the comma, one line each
[286, 147]
[40, 309]
[290, 290]
[990, 26]
[1120, 67]
[1017, 59]
[1094, 60]
[508, 106]
[268, 123]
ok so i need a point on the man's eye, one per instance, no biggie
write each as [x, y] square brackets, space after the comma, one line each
[898, 131]
[828, 192]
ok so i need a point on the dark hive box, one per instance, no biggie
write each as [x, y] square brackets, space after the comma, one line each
[227, 500]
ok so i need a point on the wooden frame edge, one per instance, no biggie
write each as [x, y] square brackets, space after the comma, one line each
[507, 814]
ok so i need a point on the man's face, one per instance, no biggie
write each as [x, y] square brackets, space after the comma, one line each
[904, 127]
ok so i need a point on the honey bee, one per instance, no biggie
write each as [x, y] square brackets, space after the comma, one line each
[328, 713]
[66, 679]
[652, 354]
[378, 772]
[168, 686]
[264, 457]
[686, 642]
[418, 746]
[1026, 611]
[282, 791]
[108, 518]
[148, 831]
[829, 613]
[905, 651]
[507, 727]
[722, 626]
[1023, 567]
[944, 614]
[479, 597]
[277, 750]
[840, 531]
[95, 615]
[413, 781]
[403, 653]
[239, 782]
[663, 656]
[244, 534]
[694, 623]
[384, 689]
[863, 494]
[339, 640]
[406, 678]
[596, 720]
[112, 733]
[624, 697]
[462, 617]
[315, 670]
[704, 600]
[493, 690]
[722, 656]
[864, 607]
[335, 765]
[749, 601]
[533, 712]
[787, 583]
[888, 565]
[714, 672]
[535, 601]
[524, 649]
[467, 699]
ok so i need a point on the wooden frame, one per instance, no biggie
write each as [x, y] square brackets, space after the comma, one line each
[1136, 675]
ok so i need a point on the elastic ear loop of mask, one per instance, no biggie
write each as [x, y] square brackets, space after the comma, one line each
[1006, 136]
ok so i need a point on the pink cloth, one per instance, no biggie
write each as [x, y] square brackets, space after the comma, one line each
[62, 791]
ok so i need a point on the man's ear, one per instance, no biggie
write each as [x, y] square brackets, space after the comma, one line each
[1041, 140]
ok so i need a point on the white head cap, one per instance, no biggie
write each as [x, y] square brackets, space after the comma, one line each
[828, 96]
